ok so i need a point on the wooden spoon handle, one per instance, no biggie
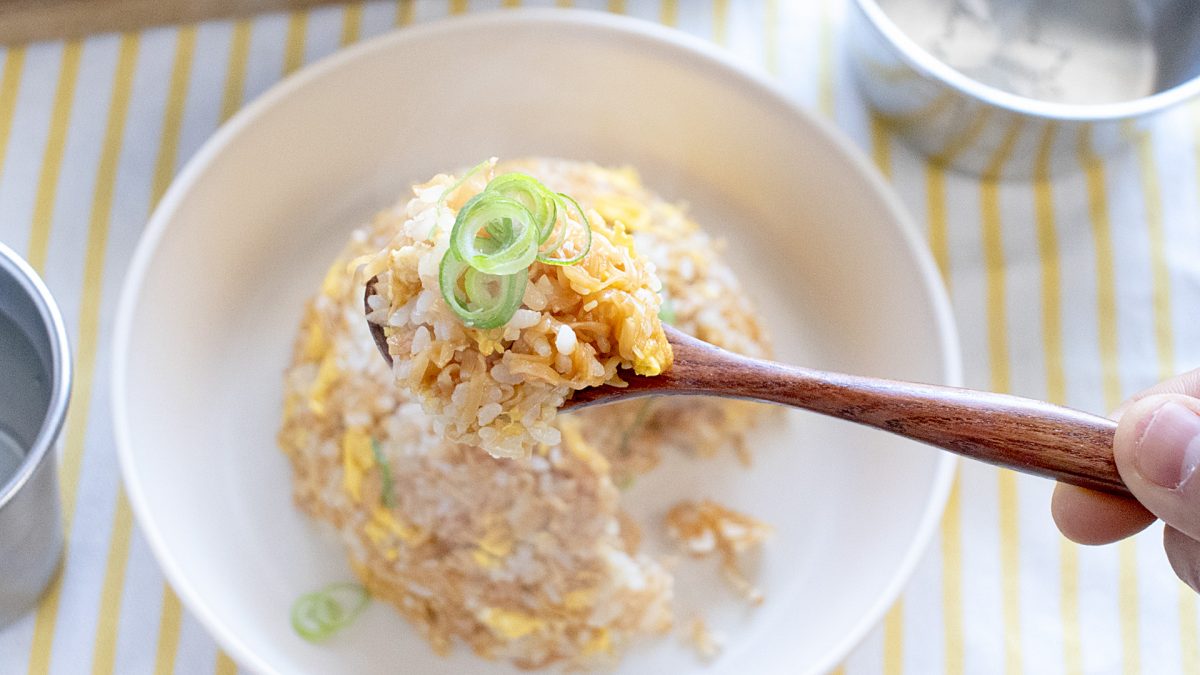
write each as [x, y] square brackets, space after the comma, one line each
[1018, 433]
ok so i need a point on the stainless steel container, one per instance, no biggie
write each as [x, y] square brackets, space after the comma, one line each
[1021, 88]
[35, 382]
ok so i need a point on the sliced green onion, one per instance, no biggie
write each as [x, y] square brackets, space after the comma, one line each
[480, 299]
[561, 238]
[385, 471]
[458, 183]
[511, 244]
[497, 235]
[541, 202]
[318, 615]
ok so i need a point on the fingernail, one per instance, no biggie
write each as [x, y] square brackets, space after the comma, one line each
[1168, 451]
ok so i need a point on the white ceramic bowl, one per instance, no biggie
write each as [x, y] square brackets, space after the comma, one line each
[244, 235]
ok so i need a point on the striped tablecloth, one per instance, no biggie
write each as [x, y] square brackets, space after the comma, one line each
[1080, 290]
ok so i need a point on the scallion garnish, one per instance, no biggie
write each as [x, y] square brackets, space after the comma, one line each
[541, 202]
[465, 177]
[318, 615]
[497, 235]
[385, 471]
[562, 237]
[481, 300]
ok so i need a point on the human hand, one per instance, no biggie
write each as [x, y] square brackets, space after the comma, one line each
[1157, 448]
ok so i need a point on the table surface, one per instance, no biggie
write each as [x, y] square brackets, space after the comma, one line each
[1080, 290]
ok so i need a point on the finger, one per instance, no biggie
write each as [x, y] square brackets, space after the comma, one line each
[1090, 517]
[1187, 384]
[1184, 554]
[1157, 449]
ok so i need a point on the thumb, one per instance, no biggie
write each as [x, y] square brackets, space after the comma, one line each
[1157, 448]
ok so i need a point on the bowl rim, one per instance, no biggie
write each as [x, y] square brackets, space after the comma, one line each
[919, 59]
[688, 46]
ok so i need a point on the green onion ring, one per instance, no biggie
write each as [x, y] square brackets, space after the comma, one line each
[540, 201]
[476, 303]
[458, 183]
[562, 236]
[318, 615]
[512, 241]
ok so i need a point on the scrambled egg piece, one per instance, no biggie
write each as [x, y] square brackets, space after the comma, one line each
[357, 459]
[510, 625]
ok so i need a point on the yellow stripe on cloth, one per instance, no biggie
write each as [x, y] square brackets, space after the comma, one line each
[170, 622]
[1127, 604]
[1159, 270]
[998, 357]
[1106, 305]
[458, 6]
[1047, 239]
[669, 13]
[951, 534]
[1106, 293]
[1056, 386]
[616, 6]
[1165, 341]
[893, 639]
[89, 327]
[881, 146]
[935, 189]
[721, 22]
[771, 37]
[168, 149]
[293, 49]
[104, 648]
[351, 24]
[893, 621]
[225, 665]
[1189, 630]
[1068, 565]
[235, 81]
[10, 84]
[47, 193]
[952, 584]
[404, 13]
[825, 98]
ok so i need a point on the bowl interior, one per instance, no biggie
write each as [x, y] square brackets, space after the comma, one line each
[1062, 51]
[245, 235]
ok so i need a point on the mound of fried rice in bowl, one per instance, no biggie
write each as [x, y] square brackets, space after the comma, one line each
[522, 552]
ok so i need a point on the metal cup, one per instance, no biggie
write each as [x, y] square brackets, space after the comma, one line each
[35, 382]
[1022, 88]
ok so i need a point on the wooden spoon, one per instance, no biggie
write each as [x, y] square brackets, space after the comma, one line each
[1009, 431]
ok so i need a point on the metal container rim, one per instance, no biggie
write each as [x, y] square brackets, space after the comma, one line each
[923, 62]
[13, 266]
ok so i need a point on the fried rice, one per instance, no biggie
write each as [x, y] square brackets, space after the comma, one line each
[529, 560]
